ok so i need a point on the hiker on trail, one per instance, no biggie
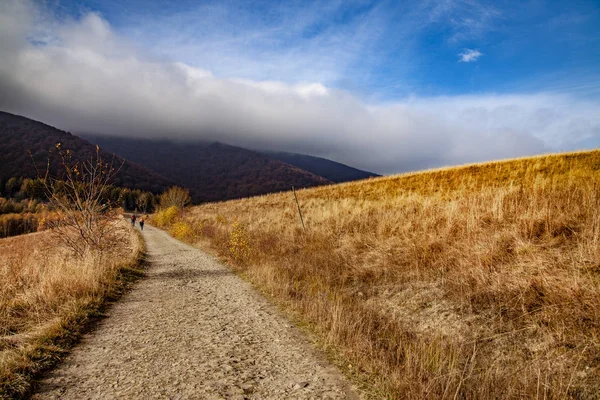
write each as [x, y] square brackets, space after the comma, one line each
[142, 223]
[132, 219]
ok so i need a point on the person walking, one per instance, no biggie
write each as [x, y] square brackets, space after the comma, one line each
[132, 219]
[142, 223]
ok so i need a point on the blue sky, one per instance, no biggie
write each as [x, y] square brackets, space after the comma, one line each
[386, 86]
[379, 49]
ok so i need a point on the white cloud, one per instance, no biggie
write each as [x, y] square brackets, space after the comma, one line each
[91, 80]
[288, 41]
[469, 55]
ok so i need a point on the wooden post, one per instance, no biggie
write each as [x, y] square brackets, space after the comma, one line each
[298, 205]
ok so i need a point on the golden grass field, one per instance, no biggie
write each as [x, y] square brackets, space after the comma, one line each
[473, 282]
[46, 297]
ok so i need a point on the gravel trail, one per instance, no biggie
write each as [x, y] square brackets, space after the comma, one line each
[193, 330]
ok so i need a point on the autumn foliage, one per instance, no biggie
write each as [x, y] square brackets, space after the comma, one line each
[175, 197]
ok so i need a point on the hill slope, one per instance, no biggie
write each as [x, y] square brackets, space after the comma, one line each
[214, 171]
[20, 135]
[480, 281]
[334, 171]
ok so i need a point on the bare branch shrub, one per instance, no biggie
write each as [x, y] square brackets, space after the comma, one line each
[80, 195]
[175, 196]
[144, 201]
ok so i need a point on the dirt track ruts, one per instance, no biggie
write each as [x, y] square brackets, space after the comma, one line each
[191, 329]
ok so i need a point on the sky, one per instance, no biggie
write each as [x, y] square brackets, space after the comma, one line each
[387, 86]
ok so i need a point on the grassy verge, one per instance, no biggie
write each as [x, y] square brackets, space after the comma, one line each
[480, 281]
[48, 299]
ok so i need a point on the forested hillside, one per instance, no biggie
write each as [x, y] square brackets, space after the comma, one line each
[212, 171]
[26, 147]
[334, 171]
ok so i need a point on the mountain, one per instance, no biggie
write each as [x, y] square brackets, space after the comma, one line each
[334, 171]
[20, 137]
[211, 171]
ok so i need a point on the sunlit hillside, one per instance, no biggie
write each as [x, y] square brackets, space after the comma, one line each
[480, 281]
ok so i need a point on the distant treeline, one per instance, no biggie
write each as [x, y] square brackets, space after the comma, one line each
[24, 195]
[24, 206]
[18, 224]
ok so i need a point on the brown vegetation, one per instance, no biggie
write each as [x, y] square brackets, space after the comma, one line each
[80, 198]
[46, 296]
[481, 281]
[175, 196]
[18, 224]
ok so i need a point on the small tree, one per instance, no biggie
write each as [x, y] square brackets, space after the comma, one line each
[175, 196]
[12, 186]
[82, 197]
[144, 201]
[33, 188]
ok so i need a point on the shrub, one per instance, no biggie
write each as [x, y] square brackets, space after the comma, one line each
[87, 219]
[239, 243]
[181, 231]
[165, 217]
[175, 196]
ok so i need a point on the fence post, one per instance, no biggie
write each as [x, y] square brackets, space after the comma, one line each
[298, 205]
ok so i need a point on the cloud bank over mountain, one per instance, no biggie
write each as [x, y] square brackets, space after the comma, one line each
[83, 76]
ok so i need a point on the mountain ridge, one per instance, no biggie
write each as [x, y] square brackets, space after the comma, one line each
[211, 171]
[329, 169]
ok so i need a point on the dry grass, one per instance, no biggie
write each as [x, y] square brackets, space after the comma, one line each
[46, 297]
[474, 282]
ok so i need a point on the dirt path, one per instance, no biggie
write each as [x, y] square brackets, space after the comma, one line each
[192, 330]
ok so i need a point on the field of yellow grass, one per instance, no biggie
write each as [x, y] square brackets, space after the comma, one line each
[480, 281]
[47, 295]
